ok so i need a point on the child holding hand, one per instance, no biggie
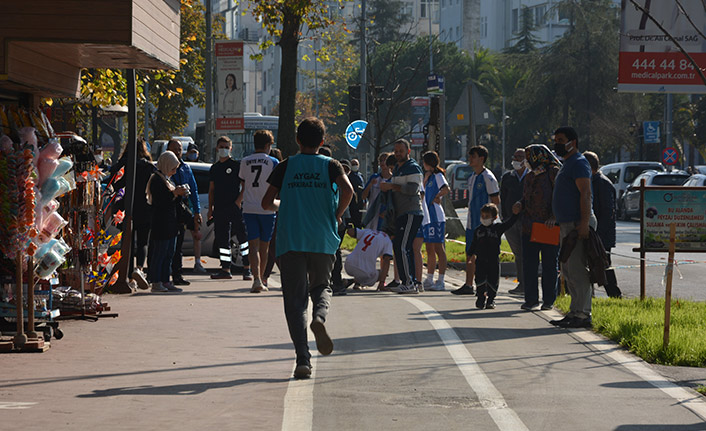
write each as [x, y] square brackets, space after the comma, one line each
[486, 247]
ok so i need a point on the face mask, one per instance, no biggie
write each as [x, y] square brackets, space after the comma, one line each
[192, 157]
[223, 152]
[486, 221]
[99, 159]
[563, 150]
[355, 168]
[517, 165]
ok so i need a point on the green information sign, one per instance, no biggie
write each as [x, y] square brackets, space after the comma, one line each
[685, 207]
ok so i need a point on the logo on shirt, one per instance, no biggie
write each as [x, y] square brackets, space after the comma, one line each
[229, 170]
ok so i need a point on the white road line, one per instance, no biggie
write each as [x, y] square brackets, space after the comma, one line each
[637, 366]
[489, 396]
[299, 400]
[15, 405]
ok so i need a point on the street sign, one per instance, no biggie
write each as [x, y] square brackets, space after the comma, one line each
[651, 132]
[670, 156]
[354, 133]
[435, 84]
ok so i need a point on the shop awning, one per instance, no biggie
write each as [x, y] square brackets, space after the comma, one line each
[45, 43]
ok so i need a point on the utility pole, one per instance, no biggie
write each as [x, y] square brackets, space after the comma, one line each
[316, 78]
[208, 84]
[431, 50]
[363, 63]
[146, 91]
[502, 165]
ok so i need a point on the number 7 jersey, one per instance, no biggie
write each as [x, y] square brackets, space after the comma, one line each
[255, 169]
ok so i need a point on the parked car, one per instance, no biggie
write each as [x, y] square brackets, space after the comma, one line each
[696, 180]
[631, 198]
[457, 175]
[208, 244]
[700, 169]
[622, 174]
[160, 145]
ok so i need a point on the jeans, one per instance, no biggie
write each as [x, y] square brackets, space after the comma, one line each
[406, 228]
[176, 260]
[305, 275]
[160, 265]
[141, 236]
[530, 256]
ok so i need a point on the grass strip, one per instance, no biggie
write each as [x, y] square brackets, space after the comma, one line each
[639, 327]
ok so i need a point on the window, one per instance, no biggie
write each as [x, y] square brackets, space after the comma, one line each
[540, 16]
[515, 20]
[458, 32]
[483, 27]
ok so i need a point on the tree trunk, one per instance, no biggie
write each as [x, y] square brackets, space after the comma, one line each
[289, 41]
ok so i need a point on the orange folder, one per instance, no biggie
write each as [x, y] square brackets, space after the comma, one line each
[544, 235]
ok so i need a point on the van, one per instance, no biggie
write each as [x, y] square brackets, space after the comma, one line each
[457, 175]
[622, 174]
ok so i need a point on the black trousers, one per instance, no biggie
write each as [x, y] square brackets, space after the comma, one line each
[176, 260]
[226, 223]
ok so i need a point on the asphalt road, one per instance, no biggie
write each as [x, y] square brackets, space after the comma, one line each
[218, 357]
[687, 282]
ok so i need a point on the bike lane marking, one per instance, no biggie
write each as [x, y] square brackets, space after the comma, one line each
[490, 398]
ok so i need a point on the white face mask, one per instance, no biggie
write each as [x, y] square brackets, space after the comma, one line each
[355, 168]
[517, 165]
[99, 158]
[486, 221]
[223, 152]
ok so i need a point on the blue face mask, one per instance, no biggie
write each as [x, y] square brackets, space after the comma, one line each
[192, 157]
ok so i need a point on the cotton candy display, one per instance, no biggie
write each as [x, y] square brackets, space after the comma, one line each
[17, 200]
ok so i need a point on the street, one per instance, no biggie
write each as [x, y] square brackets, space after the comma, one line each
[218, 357]
[687, 282]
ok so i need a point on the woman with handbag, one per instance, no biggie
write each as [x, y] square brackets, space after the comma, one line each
[164, 197]
[537, 224]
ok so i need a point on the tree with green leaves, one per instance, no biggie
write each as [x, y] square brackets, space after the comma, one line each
[387, 21]
[284, 21]
[525, 42]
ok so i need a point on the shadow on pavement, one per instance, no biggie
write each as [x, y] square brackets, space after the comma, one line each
[182, 389]
[661, 427]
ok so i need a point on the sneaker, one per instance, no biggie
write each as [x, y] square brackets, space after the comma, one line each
[302, 371]
[258, 287]
[561, 322]
[171, 287]
[577, 322]
[530, 307]
[519, 291]
[409, 289]
[547, 307]
[464, 290]
[221, 275]
[247, 275]
[480, 302]
[199, 269]
[179, 281]
[428, 283]
[357, 286]
[140, 279]
[158, 287]
[323, 342]
[438, 286]
[419, 286]
[393, 284]
[490, 305]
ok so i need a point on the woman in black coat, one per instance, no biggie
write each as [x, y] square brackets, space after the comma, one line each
[163, 196]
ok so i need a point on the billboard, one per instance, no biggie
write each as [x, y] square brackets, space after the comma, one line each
[685, 207]
[650, 61]
[230, 104]
[420, 117]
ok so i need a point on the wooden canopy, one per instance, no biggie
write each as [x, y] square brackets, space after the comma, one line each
[45, 43]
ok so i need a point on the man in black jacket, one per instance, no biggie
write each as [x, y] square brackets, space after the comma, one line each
[604, 209]
[511, 192]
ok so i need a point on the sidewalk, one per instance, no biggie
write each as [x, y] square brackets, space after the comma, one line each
[212, 355]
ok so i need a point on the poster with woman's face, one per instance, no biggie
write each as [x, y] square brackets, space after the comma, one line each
[230, 105]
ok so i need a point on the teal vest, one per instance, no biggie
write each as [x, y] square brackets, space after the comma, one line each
[306, 221]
